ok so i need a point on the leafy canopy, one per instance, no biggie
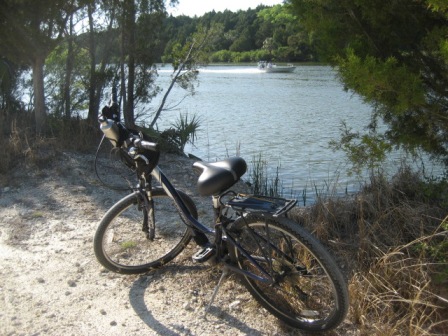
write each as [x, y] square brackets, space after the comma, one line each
[395, 55]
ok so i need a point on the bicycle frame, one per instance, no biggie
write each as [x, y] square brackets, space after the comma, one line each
[252, 241]
[219, 231]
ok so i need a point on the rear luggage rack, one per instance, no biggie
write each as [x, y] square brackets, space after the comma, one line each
[261, 204]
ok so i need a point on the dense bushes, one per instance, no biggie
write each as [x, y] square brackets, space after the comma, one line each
[226, 56]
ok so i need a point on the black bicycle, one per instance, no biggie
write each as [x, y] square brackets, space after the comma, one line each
[284, 267]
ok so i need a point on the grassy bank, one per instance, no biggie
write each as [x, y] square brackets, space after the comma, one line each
[392, 241]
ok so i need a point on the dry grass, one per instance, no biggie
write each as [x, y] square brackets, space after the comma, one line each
[21, 144]
[396, 294]
[392, 239]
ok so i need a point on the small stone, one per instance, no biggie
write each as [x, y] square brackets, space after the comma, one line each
[234, 304]
[113, 323]
[103, 312]
[187, 306]
[71, 283]
[40, 280]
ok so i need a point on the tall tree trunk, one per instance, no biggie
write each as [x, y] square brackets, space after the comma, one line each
[130, 28]
[40, 114]
[123, 74]
[93, 108]
[97, 76]
[69, 71]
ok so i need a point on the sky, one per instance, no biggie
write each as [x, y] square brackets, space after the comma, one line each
[196, 7]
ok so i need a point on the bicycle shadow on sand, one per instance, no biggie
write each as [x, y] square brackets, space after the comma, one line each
[141, 308]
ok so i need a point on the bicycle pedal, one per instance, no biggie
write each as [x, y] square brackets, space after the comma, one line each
[204, 254]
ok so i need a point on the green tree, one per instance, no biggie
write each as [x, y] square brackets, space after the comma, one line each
[65, 85]
[243, 42]
[285, 39]
[139, 22]
[102, 45]
[394, 54]
[247, 31]
[29, 31]
[8, 85]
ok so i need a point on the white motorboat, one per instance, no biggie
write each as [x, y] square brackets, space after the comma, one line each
[269, 67]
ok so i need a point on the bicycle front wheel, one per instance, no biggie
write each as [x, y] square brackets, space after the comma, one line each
[122, 246]
[309, 291]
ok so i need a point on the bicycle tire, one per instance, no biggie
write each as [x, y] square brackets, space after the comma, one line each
[310, 292]
[120, 244]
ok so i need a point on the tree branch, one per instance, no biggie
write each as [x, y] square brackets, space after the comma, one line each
[173, 81]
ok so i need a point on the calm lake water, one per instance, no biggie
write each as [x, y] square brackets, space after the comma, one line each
[288, 118]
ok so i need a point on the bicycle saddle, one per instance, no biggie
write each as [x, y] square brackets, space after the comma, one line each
[216, 177]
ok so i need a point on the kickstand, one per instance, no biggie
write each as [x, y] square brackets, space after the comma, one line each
[225, 271]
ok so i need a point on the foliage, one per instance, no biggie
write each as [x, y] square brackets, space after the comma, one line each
[246, 32]
[363, 150]
[56, 68]
[174, 139]
[186, 130]
[394, 54]
[226, 56]
[29, 30]
[9, 88]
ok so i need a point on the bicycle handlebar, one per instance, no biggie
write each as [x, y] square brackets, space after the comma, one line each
[152, 146]
[111, 129]
[136, 152]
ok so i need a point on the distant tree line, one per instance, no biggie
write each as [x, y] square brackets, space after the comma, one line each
[263, 33]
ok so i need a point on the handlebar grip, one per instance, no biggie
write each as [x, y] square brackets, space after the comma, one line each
[111, 131]
[152, 146]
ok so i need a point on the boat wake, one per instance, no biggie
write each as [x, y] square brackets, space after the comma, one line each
[231, 71]
[222, 70]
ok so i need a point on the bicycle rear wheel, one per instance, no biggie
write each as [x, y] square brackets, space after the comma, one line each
[121, 245]
[309, 291]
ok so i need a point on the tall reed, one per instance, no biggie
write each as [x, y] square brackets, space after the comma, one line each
[261, 182]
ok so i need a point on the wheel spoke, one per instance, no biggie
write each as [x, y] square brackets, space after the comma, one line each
[303, 294]
[122, 243]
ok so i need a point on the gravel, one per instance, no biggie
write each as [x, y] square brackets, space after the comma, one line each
[51, 283]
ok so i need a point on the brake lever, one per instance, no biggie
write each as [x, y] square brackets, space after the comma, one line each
[135, 155]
